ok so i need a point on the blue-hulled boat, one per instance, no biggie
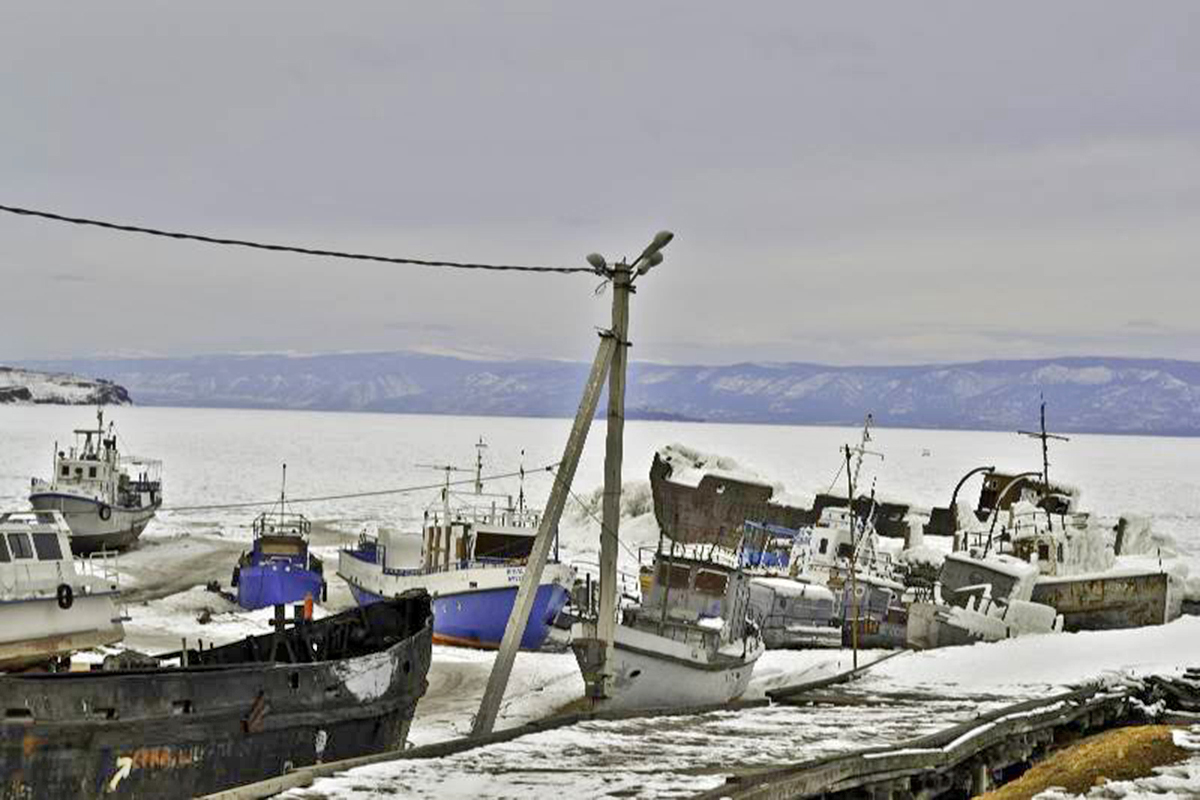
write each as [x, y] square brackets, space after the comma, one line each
[471, 561]
[279, 569]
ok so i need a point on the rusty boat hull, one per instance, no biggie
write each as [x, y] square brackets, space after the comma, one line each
[341, 687]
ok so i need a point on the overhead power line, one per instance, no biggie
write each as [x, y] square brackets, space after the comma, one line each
[357, 495]
[284, 248]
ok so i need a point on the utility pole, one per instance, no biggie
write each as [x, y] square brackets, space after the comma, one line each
[606, 622]
[610, 363]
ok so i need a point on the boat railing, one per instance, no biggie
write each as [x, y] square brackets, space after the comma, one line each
[102, 564]
[456, 566]
[505, 516]
[285, 524]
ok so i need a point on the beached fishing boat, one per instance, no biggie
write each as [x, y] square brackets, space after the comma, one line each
[471, 559]
[279, 569]
[200, 721]
[106, 498]
[689, 642]
[51, 604]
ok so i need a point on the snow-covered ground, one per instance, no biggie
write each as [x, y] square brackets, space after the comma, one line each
[222, 456]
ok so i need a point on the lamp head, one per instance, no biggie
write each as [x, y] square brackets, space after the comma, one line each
[653, 260]
[597, 261]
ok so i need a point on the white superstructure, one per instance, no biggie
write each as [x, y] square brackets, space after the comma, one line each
[50, 603]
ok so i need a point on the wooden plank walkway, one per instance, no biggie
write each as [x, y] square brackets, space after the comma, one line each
[965, 756]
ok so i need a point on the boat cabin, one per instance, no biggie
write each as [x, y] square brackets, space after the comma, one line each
[282, 537]
[696, 590]
[1002, 490]
[496, 536]
[94, 467]
[35, 552]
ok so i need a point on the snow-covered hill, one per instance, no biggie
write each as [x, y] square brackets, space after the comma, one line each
[1084, 394]
[26, 386]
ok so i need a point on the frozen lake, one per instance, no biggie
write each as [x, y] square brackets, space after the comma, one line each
[215, 456]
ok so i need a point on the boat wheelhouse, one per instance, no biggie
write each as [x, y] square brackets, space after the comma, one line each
[279, 568]
[51, 604]
[106, 498]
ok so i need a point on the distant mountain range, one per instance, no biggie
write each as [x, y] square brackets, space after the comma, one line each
[1085, 394]
[22, 386]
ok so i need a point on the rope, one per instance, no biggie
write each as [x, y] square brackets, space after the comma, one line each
[603, 528]
[308, 251]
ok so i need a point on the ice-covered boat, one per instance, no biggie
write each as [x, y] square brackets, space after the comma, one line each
[1099, 574]
[279, 569]
[689, 642]
[980, 598]
[471, 560]
[106, 498]
[792, 611]
[51, 604]
[201, 721]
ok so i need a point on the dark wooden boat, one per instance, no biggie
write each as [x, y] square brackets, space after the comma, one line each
[337, 688]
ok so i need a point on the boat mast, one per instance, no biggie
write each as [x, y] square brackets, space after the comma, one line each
[282, 495]
[1045, 437]
[480, 446]
[852, 472]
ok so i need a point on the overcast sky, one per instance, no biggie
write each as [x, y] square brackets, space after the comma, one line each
[848, 183]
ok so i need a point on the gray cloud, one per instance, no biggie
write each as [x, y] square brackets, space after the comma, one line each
[867, 183]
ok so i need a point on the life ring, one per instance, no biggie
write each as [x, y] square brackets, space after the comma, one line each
[105, 511]
[236, 574]
[66, 596]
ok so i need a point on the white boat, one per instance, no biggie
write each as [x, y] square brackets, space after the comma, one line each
[107, 499]
[51, 604]
[688, 643]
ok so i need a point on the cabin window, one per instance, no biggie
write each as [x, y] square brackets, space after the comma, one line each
[824, 548]
[18, 543]
[46, 545]
[79, 472]
[678, 576]
[1060, 551]
[91, 472]
[66, 471]
[1043, 552]
[845, 550]
[711, 582]
[489, 544]
[4, 556]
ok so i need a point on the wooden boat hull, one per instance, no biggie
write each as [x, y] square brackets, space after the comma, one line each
[181, 732]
